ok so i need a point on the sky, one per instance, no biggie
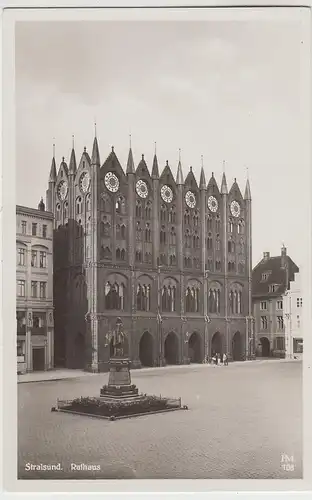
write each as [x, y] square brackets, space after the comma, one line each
[230, 91]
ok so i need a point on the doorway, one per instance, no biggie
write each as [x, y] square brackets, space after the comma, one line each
[237, 347]
[38, 359]
[146, 349]
[194, 345]
[171, 349]
[265, 347]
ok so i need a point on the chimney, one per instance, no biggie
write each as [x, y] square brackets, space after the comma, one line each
[284, 256]
[266, 255]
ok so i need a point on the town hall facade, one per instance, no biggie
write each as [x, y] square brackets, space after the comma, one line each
[167, 261]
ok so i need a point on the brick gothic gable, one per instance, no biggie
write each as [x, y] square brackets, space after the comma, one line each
[148, 263]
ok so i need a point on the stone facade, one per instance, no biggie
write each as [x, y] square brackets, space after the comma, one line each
[293, 315]
[271, 279]
[170, 259]
[34, 294]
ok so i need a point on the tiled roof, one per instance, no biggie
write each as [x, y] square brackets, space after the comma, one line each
[277, 275]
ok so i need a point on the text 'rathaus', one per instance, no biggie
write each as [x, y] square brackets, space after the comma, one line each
[166, 260]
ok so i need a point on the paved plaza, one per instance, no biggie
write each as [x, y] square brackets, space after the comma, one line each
[241, 420]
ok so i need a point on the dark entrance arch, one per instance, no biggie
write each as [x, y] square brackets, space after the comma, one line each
[194, 345]
[171, 349]
[79, 351]
[237, 347]
[216, 344]
[265, 347]
[146, 349]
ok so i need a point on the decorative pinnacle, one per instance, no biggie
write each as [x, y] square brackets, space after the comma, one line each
[223, 166]
[73, 139]
[53, 147]
[179, 154]
[63, 159]
[155, 146]
[85, 149]
[202, 160]
[95, 132]
[130, 140]
[112, 149]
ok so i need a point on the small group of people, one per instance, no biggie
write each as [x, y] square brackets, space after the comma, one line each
[218, 359]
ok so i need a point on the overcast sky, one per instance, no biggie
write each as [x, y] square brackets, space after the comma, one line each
[230, 91]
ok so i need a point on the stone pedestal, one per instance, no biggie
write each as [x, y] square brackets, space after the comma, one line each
[119, 382]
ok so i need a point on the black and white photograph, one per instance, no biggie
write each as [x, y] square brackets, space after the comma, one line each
[162, 190]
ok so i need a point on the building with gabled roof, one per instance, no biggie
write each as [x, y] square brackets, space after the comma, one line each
[271, 279]
[165, 260]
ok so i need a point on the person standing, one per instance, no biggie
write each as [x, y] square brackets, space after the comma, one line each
[225, 360]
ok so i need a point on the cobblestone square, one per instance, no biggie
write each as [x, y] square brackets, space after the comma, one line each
[242, 420]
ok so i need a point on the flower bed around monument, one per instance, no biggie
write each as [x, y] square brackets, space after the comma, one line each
[98, 407]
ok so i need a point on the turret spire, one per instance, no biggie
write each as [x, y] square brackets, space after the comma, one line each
[202, 181]
[179, 179]
[224, 189]
[247, 191]
[95, 160]
[155, 170]
[130, 162]
[72, 161]
[52, 177]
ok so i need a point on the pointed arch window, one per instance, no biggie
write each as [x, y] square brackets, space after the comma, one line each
[106, 203]
[231, 227]
[172, 215]
[218, 265]
[106, 252]
[218, 243]
[143, 297]
[138, 231]
[120, 254]
[209, 265]
[231, 266]
[78, 205]
[138, 256]
[209, 223]
[163, 259]
[235, 302]
[173, 238]
[163, 235]
[163, 213]
[114, 296]
[196, 240]
[148, 258]
[66, 210]
[218, 224]
[192, 299]
[88, 203]
[187, 262]
[168, 298]
[214, 300]
[138, 208]
[188, 239]
[120, 205]
[209, 241]
[172, 260]
[148, 233]
[58, 212]
[148, 210]
[196, 219]
[123, 231]
[187, 218]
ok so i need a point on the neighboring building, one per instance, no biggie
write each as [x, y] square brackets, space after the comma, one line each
[167, 261]
[270, 280]
[292, 303]
[34, 288]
